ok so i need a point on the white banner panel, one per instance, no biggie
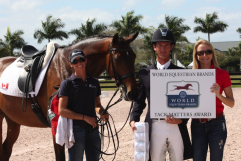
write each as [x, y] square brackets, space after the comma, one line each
[183, 93]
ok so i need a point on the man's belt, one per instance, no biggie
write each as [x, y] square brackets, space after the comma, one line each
[158, 119]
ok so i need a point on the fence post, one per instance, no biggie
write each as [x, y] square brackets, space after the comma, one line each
[240, 65]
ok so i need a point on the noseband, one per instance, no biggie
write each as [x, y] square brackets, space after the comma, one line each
[118, 78]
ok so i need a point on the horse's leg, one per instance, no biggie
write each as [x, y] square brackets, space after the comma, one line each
[2, 157]
[59, 151]
[12, 135]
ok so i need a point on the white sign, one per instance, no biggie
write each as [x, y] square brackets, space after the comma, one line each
[183, 93]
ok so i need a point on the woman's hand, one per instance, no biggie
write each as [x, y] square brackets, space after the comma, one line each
[90, 120]
[171, 120]
[215, 89]
[104, 117]
[228, 100]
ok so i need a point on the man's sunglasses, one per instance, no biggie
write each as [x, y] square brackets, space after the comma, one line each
[201, 53]
[75, 61]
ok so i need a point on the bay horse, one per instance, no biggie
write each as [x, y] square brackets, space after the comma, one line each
[111, 53]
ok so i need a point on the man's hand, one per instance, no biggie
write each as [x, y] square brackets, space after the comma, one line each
[171, 120]
[133, 126]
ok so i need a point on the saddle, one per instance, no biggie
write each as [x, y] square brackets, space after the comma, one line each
[33, 61]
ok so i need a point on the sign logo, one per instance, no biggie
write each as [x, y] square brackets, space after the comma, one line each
[183, 94]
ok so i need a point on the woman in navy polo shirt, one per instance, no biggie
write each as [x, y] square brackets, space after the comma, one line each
[85, 102]
[211, 132]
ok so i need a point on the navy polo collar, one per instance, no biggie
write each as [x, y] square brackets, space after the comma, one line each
[73, 77]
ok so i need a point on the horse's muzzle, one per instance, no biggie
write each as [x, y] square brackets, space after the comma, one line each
[128, 96]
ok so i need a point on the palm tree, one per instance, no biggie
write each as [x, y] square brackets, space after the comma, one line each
[143, 49]
[129, 24]
[229, 52]
[239, 31]
[209, 25]
[51, 30]
[237, 50]
[3, 52]
[147, 38]
[199, 38]
[88, 29]
[177, 27]
[12, 41]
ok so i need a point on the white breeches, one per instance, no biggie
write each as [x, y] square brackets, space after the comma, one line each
[166, 137]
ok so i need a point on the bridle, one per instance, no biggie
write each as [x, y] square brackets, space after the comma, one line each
[118, 81]
[118, 78]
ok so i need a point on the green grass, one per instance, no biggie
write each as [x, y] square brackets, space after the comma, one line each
[235, 76]
[107, 84]
[236, 81]
[236, 86]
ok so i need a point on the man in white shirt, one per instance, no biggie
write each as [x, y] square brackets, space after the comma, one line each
[168, 134]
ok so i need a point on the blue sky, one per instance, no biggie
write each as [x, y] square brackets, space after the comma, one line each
[27, 15]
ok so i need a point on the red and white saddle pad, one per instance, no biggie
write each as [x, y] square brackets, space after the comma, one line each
[9, 77]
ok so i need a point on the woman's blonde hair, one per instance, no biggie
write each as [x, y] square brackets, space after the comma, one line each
[196, 62]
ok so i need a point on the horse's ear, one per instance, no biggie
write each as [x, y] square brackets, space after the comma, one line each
[115, 38]
[132, 37]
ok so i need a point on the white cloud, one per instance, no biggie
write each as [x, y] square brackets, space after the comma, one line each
[20, 5]
[130, 4]
[24, 5]
[203, 10]
[71, 16]
[172, 3]
[230, 16]
[153, 21]
[5, 3]
[30, 18]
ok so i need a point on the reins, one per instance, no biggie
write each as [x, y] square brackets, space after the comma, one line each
[110, 134]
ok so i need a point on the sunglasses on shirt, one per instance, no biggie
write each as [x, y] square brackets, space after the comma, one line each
[207, 52]
[75, 61]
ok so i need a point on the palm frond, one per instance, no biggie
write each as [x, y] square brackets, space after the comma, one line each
[51, 29]
[129, 24]
[210, 24]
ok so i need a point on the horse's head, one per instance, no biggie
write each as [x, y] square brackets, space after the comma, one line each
[188, 84]
[120, 66]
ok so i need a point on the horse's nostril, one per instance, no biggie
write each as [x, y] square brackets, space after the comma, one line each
[131, 95]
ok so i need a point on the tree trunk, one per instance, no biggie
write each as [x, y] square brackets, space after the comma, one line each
[11, 52]
[209, 37]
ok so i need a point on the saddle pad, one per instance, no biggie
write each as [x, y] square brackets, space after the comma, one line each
[9, 78]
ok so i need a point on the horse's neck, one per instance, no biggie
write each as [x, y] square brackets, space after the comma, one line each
[59, 66]
[96, 52]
